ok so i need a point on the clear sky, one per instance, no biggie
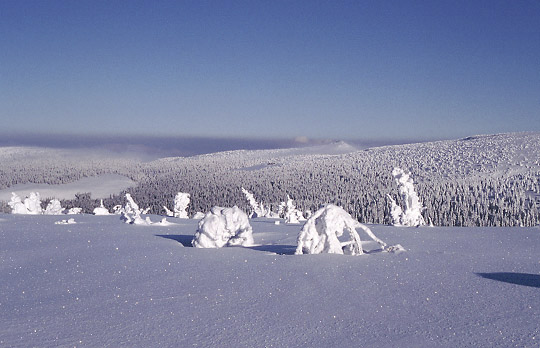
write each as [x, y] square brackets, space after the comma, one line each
[317, 69]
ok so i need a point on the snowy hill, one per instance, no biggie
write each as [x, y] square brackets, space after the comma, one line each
[103, 283]
[490, 180]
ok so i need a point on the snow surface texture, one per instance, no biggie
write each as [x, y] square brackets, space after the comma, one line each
[323, 229]
[223, 227]
[102, 283]
[412, 215]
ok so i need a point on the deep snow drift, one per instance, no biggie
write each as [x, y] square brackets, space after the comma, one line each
[102, 283]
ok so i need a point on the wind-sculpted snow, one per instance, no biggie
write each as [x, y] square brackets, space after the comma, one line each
[477, 181]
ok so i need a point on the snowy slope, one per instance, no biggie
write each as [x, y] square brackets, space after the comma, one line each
[102, 283]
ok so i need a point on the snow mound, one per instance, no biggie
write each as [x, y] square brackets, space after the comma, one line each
[322, 230]
[223, 227]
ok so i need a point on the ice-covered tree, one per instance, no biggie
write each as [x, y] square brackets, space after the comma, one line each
[181, 203]
[257, 209]
[323, 230]
[411, 213]
[16, 205]
[223, 227]
[291, 214]
[131, 213]
[54, 208]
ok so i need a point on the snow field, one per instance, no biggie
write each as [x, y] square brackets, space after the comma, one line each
[101, 282]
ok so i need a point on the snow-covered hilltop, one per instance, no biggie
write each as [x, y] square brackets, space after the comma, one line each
[491, 180]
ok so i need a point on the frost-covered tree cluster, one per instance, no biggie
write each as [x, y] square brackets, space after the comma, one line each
[32, 205]
[477, 181]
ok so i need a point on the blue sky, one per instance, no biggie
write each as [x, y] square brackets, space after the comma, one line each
[270, 69]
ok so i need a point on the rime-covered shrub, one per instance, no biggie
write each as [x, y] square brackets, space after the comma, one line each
[223, 227]
[16, 205]
[321, 233]
[74, 211]
[54, 208]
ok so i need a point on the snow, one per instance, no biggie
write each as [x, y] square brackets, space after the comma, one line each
[103, 283]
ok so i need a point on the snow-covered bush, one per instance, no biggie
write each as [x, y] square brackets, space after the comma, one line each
[101, 210]
[198, 215]
[16, 205]
[323, 229]
[223, 227]
[181, 202]
[33, 204]
[74, 211]
[168, 212]
[54, 208]
[411, 214]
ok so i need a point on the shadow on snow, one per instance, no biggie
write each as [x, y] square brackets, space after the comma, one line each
[525, 279]
[185, 240]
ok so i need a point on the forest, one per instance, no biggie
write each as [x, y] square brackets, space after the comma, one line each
[477, 181]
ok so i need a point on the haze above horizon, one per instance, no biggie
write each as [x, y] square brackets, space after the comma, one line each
[270, 70]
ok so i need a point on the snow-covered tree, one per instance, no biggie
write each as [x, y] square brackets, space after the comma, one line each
[54, 208]
[16, 205]
[292, 215]
[411, 214]
[131, 213]
[321, 233]
[33, 204]
[223, 227]
[257, 209]
[181, 202]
